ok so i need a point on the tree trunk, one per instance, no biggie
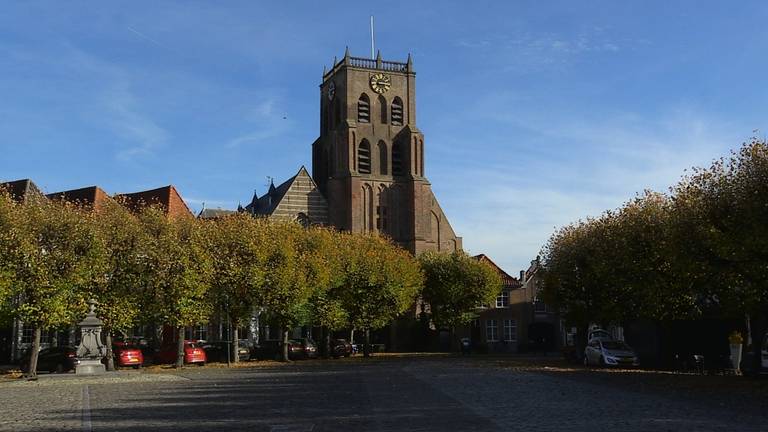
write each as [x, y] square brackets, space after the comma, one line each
[327, 342]
[110, 357]
[285, 344]
[180, 347]
[235, 344]
[367, 345]
[32, 371]
[352, 336]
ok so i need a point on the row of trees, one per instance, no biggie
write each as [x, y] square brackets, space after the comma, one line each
[180, 272]
[700, 249]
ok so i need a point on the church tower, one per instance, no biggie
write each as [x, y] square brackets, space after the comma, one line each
[369, 159]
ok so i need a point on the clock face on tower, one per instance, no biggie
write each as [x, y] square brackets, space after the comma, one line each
[380, 83]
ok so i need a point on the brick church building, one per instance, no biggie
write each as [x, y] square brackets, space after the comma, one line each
[368, 164]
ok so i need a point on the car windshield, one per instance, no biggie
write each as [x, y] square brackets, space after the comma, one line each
[615, 345]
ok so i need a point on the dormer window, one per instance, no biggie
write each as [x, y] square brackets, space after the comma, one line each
[364, 109]
[397, 112]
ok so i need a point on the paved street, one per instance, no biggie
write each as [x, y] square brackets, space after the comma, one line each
[412, 394]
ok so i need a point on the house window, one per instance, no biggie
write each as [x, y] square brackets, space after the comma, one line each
[364, 158]
[510, 330]
[539, 306]
[476, 323]
[491, 331]
[502, 301]
[364, 109]
[397, 112]
[28, 335]
[196, 333]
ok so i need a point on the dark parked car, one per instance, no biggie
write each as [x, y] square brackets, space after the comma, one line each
[308, 347]
[273, 349]
[340, 348]
[217, 351]
[57, 359]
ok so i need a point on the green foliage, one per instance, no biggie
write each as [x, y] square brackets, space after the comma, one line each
[455, 285]
[701, 250]
[119, 292]
[59, 262]
[381, 281]
[177, 269]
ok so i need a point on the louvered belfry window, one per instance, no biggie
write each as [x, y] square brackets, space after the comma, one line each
[364, 109]
[364, 158]
[397, 160]
[397, 112]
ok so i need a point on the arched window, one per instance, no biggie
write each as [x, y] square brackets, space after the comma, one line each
[382, 216]
[382, 158]
[383, 109]
[367, 207]
[397, 111]
[364, 109]
[397, 159]
[364, 157]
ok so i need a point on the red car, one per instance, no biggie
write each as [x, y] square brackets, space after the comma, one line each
[193, 353]
[127, 355]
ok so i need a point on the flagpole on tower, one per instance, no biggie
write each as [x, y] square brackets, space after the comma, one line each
[373, 48]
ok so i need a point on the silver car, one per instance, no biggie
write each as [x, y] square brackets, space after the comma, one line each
[605, 352]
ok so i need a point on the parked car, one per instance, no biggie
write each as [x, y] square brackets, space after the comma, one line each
[605, 352]
[340, 347]
[598, 333]
[127, 355]
[56, 359]
[217, 351]
[193, 353]
[765, 353]
[308, 347]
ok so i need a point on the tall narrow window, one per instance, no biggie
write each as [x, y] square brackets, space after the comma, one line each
[382, 158]
[491, 331]
[364, 109]
[397, 112]
[364, 157]
[383, 109]
[381, 210]
[510, 330]
[397, 159]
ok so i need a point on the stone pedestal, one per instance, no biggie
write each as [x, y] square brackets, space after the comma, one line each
[90, 367]
[91, 350]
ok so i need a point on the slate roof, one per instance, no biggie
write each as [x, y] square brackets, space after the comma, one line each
[207, 213]
[509, 281]
[167, 197]
[92, 196]
[22, 190]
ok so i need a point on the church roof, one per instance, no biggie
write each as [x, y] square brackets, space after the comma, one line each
[298, 194]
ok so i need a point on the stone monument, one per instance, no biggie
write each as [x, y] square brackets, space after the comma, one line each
[91, 350]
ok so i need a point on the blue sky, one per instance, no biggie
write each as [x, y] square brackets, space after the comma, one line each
[535, 114]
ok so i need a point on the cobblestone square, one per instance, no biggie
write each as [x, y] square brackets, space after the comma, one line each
[384, 394]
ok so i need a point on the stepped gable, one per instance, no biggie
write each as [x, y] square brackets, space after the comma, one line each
[22, 190]
[298, 198]
[92, 197]
[167, 197]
